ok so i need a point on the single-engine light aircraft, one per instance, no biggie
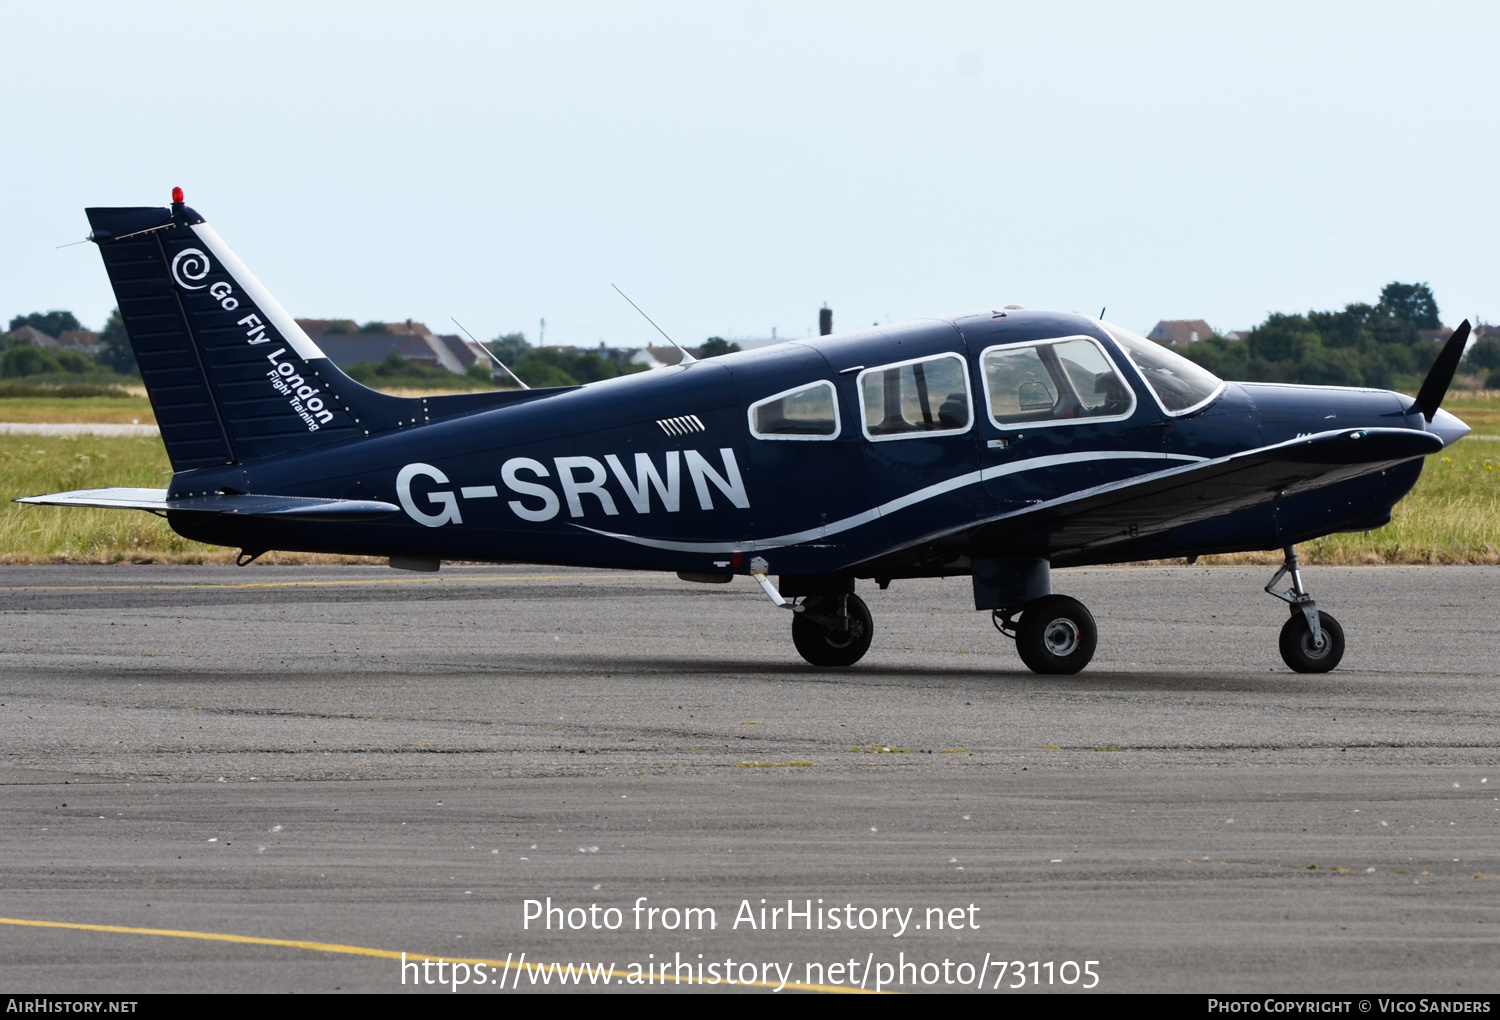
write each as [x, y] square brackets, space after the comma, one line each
[996, 445]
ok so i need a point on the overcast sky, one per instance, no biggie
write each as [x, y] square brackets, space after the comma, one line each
[734, 166]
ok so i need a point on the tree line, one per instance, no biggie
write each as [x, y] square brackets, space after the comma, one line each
[1380, 344]
[111, 359]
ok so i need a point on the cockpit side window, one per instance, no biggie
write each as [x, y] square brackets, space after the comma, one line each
[807, 412]
[1180, 385]
[916, 398]
[1054, 382]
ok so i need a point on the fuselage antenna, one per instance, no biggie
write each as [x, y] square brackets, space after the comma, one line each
[686, 357]
[1102, 309]
[491, 353]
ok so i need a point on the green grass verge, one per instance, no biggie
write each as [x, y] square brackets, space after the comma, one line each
[66, 391]
[121, 409]
[32, 465]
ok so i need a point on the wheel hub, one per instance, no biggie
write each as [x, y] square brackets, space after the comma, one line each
[1061, 637]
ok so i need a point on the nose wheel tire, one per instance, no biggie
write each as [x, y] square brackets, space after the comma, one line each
[825, 638]
[1300, 652]
[1056, 634]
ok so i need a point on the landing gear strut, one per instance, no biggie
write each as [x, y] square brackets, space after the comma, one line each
[1056, 634]
[1311, 641]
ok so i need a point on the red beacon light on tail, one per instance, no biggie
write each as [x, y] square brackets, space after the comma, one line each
[176, 196]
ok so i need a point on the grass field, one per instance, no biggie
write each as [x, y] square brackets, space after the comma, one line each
[93, 410]
[31, 465]
[1452, 516]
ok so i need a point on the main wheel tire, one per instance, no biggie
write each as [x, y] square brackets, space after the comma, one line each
[1298, 649]
[823, 646]
[1056, 634]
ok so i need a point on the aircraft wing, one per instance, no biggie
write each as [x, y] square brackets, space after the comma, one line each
[1148, 505]
[305, 508]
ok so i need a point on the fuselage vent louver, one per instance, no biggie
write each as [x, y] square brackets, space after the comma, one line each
[684, 425]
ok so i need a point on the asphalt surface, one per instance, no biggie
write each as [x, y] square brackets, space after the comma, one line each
[398, 762]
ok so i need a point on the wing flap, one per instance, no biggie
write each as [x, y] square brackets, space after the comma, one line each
[307, 508]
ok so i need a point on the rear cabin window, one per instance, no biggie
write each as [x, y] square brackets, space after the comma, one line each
[807, 412]
[917, 398]
[1053, 382]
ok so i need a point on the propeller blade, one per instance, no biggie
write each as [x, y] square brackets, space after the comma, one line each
[1435, 386]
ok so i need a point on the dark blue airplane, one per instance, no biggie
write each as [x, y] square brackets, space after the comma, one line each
[996, 445]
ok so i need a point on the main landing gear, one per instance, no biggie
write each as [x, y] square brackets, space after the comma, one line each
[1056, 634]
[1311, 641]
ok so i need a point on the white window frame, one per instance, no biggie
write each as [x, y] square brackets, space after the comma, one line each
[859, 387]
[838, 425]
[1054, 422]
[1156, 397]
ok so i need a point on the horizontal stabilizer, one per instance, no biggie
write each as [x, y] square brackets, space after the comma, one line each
[305, 508]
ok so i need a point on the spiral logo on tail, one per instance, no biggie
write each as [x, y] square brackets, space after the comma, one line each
[190, 264]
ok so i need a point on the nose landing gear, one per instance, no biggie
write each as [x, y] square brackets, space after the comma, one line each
[1311, 641]
[828, 630]
[833, 630]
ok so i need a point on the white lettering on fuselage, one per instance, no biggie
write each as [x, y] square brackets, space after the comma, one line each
[584, 483]
[443, 499]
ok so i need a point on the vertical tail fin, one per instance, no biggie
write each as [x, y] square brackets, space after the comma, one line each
[231, 375]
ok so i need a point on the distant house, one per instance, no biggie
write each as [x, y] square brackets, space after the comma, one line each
[1180, 332]
[33, 336]
[84, 341]
[644, 356]
[345, 345]
[660, 357]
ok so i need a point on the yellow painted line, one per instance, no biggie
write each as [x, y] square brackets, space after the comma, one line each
[322, 584]
[390, 954]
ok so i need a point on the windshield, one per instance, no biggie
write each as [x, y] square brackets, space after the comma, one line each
[1178, 383]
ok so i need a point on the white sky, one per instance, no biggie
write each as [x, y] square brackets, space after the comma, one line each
[734, 166]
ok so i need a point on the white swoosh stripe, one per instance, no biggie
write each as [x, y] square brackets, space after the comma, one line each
[900, 503]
